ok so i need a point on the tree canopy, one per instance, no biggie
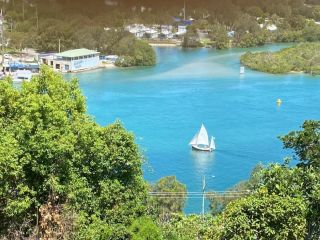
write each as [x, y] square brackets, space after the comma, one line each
[170, 198]
[304, 57]
[52, 152]
[265, 217]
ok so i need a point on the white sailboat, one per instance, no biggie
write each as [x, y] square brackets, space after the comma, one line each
[242, 70]
[200, 141]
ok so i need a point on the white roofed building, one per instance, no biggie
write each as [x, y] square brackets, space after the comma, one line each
[73, 60]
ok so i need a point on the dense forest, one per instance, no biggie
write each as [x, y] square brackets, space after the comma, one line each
[40, 24]
[63, 176]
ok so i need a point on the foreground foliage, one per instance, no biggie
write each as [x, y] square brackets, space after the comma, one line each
[265, 216]
[192, 227]
[52, 152]
[301, 58]
[219, 201]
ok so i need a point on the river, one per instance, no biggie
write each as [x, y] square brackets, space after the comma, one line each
[165, 105]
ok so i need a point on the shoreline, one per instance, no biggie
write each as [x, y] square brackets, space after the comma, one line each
[100, 67]
[108, 65]
[163, 45]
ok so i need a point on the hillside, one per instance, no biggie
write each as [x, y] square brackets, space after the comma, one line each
[41, 24]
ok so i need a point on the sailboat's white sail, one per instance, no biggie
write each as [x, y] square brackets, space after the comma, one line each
[203, 138]
[212, 144]
[201, 141]
[194, 140]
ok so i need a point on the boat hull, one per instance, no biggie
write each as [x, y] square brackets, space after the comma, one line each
[202, 149]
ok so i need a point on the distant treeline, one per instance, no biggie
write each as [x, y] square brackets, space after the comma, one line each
[231, 23]
[301, 58]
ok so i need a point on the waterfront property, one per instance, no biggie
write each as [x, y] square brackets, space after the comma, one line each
[156, 31]
[73, 60]
[182, 29]
[19, 70]
[14, 66]
[110, 59]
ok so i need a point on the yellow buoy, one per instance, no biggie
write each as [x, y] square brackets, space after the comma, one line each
[279, 101]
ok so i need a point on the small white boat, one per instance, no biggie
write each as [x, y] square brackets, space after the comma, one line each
[22, 75]
[241, 70]
[200, 142]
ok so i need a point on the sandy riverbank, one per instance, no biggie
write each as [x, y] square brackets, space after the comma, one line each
[164, 44]
[108, 65]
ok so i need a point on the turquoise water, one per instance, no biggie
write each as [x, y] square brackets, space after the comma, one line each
[165, 105]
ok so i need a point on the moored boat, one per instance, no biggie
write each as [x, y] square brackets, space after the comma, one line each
[200, 142]
[242, 70]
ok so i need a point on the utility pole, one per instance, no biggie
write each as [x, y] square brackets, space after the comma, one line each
[203, 193]
[23, 10]
[184, 10]
[37, 16]
[2, 37]
[59, 45]
[11, 25]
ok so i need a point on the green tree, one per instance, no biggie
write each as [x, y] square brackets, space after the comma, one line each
[51, 149]
[139, 53]
[297, 22]
[219, 201]
[311, 32]
[265, 216]
[192, 227]
[145, 229]
[50, 32]
[286, 181]
[316, 12]
[302, 57]
[191, 38]
[306, 144]
[255, 11]
[218, 35]
[169, 199]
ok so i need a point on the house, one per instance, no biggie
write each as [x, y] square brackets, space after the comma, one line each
[137, 30]
[73, 60]
[182, 29]
[166, 32]
[14, 66]
[151, 33]
[142, 31]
